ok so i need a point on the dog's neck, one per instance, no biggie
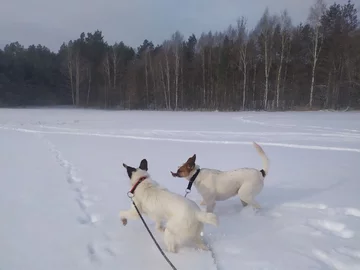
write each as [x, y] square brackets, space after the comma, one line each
[193, 172]
[137, 183]
[193, 176]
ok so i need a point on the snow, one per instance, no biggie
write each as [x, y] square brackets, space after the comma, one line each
[63, 185]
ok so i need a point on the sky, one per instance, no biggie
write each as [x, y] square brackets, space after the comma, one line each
[50, 22]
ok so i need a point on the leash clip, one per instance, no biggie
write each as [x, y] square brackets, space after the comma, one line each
[130, 195]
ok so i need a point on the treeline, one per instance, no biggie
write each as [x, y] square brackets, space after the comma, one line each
[275, 66]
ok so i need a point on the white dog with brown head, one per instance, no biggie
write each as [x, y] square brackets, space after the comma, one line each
[183, 217]
[215, 185]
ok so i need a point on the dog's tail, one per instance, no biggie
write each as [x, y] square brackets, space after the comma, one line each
[264, 159]
[208, 218]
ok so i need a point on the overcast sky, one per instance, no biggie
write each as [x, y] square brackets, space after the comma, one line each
[51, 22]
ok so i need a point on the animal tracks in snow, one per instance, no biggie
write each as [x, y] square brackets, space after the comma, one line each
[95, 251]
[352, 212]
[335, 228]
[83, 199]
[330, 211]
[341, 257]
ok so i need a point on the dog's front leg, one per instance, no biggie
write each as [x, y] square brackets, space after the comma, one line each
[210, 202]
[129, 214]
[210, 206]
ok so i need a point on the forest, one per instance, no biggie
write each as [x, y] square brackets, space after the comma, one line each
[275, 65]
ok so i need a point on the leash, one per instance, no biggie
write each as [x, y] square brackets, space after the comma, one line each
[187, 191]
[130, 194]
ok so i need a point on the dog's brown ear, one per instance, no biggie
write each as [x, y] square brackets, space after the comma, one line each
[192, 160]
[190, 163]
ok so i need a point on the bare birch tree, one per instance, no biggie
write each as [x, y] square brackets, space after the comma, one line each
[177, 40]
[266, 29]
[166, 75]
[201, 47]
[115, 59]
[285, 32]
[69, 67]
[314, 19]
[107, 77]
[145, 55]
[243, 42]
[77, 66]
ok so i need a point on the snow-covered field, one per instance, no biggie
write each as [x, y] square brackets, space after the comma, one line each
[63, 185]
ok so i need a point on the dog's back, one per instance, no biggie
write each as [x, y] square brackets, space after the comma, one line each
[225, 184]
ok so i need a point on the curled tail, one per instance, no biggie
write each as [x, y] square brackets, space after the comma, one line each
[264, 159]
[208, 218]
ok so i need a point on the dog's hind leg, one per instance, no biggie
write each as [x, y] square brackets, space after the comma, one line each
[252, 202]
[200, 244]
[247, 194]
[244, 204]
[170, 242]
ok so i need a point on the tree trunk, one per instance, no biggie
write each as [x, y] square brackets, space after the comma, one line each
[153, 79]
[244, 87]
[115, 63]
[266, 73]
[204, 79]
[254, 84]
[283, 44]
[164, 85]
[327, 102]
[77, 79]
[177, 68]
[168, 78]
[146, 81]
[71, 73]
[89, 86]
[316, 51]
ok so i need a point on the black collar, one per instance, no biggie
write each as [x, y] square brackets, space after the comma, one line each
[192, 179]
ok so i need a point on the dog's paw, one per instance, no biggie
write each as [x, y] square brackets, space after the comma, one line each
[203, 248]
[172, 250]
[124, 221]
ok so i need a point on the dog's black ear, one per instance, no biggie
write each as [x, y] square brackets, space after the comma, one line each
[144, 165]
[130, 170]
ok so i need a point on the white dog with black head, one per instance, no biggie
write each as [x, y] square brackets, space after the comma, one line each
[183, 218]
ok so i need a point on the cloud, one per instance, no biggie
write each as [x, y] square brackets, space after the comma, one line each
[51, 22]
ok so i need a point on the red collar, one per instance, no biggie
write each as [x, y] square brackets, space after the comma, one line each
[136, 184]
